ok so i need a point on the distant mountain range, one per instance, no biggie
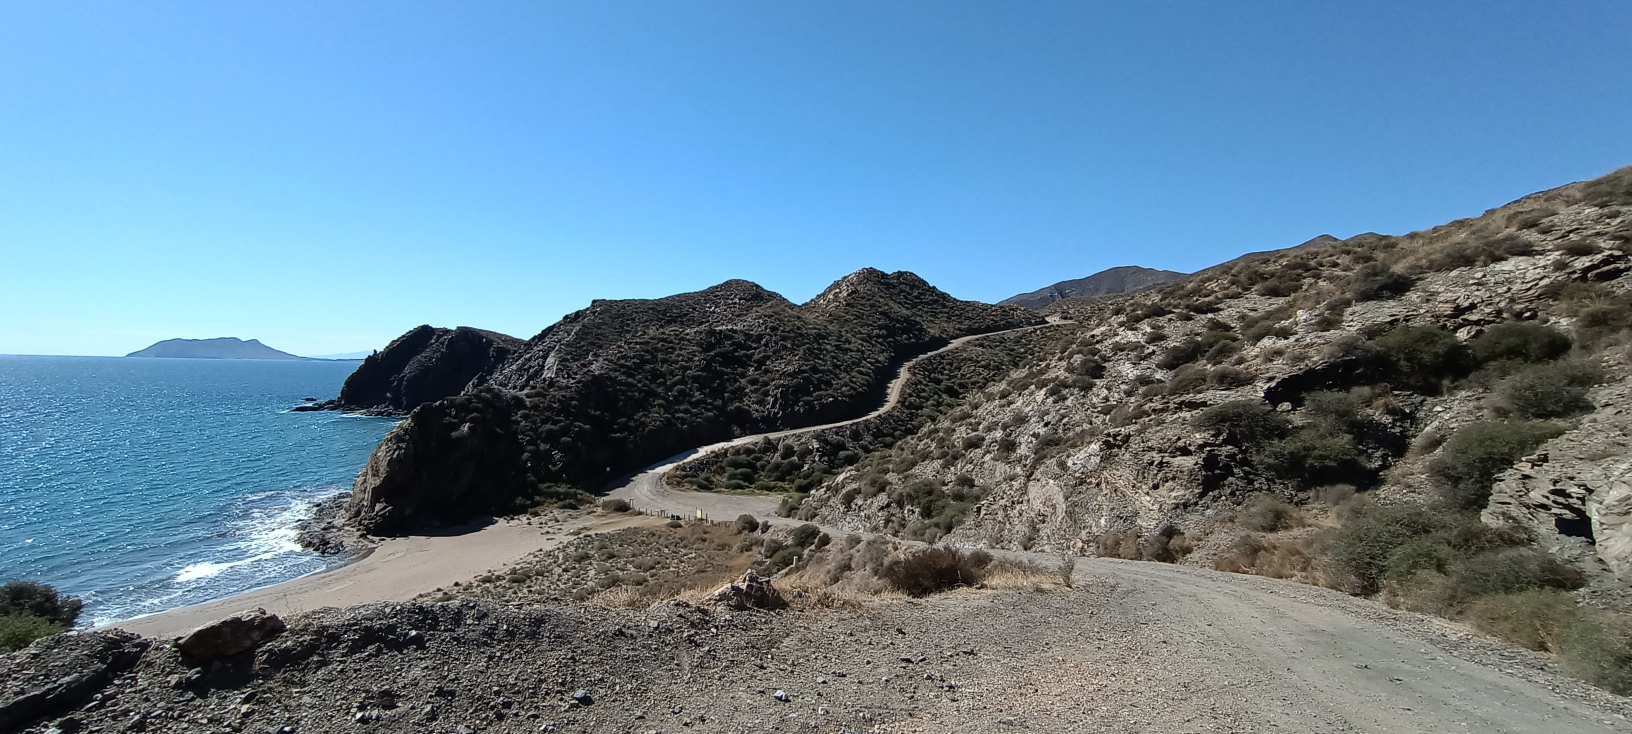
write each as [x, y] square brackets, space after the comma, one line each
[225, 347]
[1124, 279]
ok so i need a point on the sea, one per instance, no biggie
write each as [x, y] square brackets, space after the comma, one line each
[140, 485]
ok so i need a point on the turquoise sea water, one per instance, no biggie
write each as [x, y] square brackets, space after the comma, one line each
[146, 484]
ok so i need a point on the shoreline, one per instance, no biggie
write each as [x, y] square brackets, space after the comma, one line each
[394, 569]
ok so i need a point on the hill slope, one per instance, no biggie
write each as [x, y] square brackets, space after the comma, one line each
[225, 347]
[626, 382]
[1123, 279]
[1289, 371]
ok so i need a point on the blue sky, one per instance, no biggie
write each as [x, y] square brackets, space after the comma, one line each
[324, 176]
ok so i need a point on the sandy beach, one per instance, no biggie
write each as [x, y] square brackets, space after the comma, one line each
[396, 570]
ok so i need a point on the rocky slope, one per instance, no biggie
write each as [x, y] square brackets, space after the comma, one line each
[1110, 433]
[623, 383]
[1109, 282]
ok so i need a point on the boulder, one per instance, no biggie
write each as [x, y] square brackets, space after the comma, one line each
[231, 636]
[751, 591]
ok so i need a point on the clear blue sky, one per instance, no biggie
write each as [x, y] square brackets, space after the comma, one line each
[323, 176]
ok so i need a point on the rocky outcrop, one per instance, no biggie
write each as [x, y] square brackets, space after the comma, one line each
[1575, 493]
[232, 636]
[750, 591]
[424, 365]
[624, 383]
[59, 674]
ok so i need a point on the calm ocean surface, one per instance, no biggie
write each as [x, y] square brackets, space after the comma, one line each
[146, 484]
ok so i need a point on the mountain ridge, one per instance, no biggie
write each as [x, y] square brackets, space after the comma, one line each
[1107, 282]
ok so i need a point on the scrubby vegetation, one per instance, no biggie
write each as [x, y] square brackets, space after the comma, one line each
[1470, 460]
[876, 565]
[802, 462]
[31, 610]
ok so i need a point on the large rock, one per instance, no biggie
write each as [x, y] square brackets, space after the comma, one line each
[751, 591]
[60, 673]
[231, 636]
[1576, 493]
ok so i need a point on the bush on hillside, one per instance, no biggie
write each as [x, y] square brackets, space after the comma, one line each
[1534, 619]
[1267, 513]
[747, 523]
[40, 600]
[1424, 357]
[1546, 391]
[1244, 422]
[1376, 281]
[18, 629]
[1363, 546]
[1598, 648]
[1469, 462]
[925, 571]
[1523, 341]
[1227, 377]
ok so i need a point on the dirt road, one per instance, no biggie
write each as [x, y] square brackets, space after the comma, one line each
[1186, 649]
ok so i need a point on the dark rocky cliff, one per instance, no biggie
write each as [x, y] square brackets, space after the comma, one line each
[423, 365]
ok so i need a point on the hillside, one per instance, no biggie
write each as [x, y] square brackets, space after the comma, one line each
[1471, 368]
[1110, 282]
[626, 382]
[225, 347]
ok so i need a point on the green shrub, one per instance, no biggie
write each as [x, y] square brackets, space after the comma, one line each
[1363, 546]
[1376, 281]
[1545, 391]
[1424, 357]
[1524, 341]
[1244, 422]
[1314, 453]
[614, 504]
[40, 600]
[17, 629]
[1471, 459]
[747, 523]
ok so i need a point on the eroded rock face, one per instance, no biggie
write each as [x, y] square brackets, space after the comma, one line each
[1576, 492]
[440, 467]
[423, 365]
[234, 635]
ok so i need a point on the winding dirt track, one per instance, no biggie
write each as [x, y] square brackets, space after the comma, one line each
[1305, 659]
[646, 489]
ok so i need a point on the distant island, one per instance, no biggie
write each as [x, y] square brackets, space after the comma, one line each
[225, 347]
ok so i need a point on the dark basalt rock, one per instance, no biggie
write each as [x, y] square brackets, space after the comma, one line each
[423, 365]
